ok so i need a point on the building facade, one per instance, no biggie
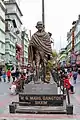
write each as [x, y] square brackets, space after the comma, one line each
[25, 42]
[13, 34]
[2, 31]
[76, 37]
[10, 40]
[62, 57]
[74, 55]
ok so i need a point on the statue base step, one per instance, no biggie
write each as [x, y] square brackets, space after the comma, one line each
[41, 110]
[36, 110]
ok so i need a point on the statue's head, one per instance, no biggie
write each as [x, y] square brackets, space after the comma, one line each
[39, 26]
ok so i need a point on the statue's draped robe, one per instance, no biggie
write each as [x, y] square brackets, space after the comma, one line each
[39, 42]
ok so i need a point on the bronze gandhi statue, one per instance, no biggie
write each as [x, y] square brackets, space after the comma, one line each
[39, 50]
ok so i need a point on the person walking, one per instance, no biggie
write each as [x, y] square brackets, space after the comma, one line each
[68, 85]
[17, 73]
[22, 80]
[13, 73]
[75, 76]
[8, 75]
[4, 75]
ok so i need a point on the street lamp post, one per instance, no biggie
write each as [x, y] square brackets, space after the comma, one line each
[43, 12]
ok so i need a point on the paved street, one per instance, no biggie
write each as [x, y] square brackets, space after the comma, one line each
[6, 98]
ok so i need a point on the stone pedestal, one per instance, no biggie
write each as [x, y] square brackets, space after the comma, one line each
[41, 99]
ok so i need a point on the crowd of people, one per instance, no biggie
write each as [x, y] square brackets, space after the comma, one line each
[17, 77]
[68, 77]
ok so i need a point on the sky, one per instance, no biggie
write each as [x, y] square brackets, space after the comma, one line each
[59, 15]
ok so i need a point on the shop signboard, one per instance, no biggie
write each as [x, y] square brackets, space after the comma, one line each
[73, 58]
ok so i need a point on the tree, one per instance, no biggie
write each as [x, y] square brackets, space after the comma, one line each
[53, 62]
[54, 54]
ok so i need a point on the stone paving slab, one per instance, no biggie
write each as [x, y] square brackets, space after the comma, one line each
[35, 119]
[39, 117]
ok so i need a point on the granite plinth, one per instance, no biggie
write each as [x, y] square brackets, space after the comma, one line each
[41, 89]
[41, 95]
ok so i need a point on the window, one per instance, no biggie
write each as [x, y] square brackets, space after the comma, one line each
[79, 37]
[2, 56]
[11, 47]
[7, 57]
[2, 25]
[2, 45]
[6, 25]
[7, 46]
[2, 36]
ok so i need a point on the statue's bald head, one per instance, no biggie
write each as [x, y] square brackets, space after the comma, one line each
[39, 25]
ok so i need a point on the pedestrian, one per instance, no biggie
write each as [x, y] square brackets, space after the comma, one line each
[4, 75]
[22, 80]
[75, 76]
[24, 71]
[17, 73]
[13, 88]
[68, 85]
[8, 75]
[13, 74]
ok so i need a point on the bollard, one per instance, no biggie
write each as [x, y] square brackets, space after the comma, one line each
[12, 108]
[69, 109]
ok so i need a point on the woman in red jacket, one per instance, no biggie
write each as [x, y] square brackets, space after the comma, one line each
[67, 84]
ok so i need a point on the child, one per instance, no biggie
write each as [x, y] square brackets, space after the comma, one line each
[68, 85]
[13, 88]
